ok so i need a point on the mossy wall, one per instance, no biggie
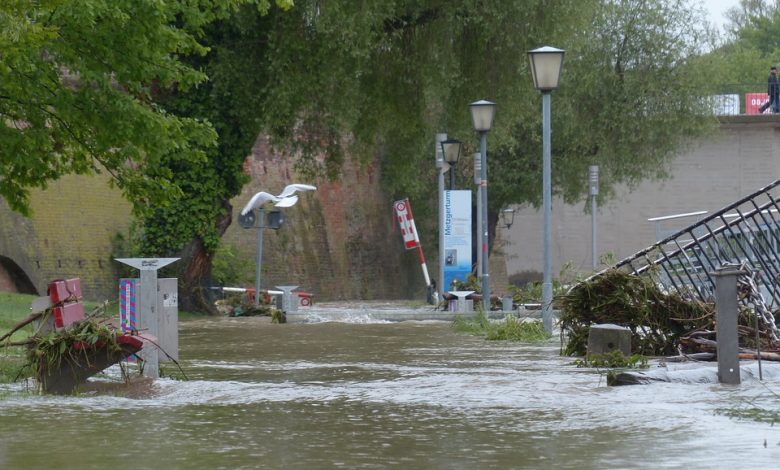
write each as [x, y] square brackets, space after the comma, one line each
[339, 242]
[68, 235]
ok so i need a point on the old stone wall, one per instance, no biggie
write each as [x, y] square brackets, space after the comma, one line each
[339, 242]
[69, 235]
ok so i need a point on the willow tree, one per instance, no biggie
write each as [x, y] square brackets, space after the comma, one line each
[82, 84]
[336, 79]
[76, 81]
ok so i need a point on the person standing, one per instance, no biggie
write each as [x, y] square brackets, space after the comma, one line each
[773, 90]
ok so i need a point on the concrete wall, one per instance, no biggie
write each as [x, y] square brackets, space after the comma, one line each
[712, 173]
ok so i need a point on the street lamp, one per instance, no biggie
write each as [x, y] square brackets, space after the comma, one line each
[546, 65]
[439, 152]
[451, 150]
[508, 217]
[253, 216]
[482, 113]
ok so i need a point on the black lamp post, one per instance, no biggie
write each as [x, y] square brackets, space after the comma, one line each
[451, 150]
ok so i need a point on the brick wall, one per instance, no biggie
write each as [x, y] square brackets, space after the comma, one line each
[69, 234]
[339, 242]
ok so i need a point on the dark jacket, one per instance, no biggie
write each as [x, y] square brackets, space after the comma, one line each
[773, 86]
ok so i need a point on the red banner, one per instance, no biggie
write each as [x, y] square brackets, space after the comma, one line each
[753, 101]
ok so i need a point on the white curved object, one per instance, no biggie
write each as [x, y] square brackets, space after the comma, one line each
[284, 199]
[290, 189]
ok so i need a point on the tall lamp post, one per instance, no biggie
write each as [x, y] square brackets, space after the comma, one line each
[546, 65]
[477, 181]
[439, 152]
[482, 113]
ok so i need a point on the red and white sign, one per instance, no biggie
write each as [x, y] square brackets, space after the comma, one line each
[403, 213]
[753, 102]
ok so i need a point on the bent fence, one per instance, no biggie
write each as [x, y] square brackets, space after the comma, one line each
[745, 233]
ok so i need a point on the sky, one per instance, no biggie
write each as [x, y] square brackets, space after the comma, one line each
[717, 8]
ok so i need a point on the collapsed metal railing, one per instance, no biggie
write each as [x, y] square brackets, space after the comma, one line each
[745, 233]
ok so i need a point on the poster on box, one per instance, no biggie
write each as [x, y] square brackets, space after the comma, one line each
[457, 237]
[753, 102]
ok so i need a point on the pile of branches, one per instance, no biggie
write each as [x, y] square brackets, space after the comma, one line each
[657, 320]
[662, 323]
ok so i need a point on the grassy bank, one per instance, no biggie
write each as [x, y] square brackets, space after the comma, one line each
[508, 329]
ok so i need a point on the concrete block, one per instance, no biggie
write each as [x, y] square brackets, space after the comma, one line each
[606, 338]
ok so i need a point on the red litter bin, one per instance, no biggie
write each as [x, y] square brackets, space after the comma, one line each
[304, 299]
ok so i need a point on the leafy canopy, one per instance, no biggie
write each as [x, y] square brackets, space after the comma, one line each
[78, 80]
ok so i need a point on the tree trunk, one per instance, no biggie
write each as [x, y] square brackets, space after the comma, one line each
[195, 278]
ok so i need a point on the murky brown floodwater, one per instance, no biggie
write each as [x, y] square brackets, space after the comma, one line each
[411, 395]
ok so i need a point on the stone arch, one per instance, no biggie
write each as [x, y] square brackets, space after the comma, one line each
[14, 279]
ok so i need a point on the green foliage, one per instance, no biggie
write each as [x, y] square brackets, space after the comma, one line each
[13, 308]
[393, 73]
[613, 360]
[48, 352]
[508, 329]
[229, 268]
[12, 365]
[76, 85]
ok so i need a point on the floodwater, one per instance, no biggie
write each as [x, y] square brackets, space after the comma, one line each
[410, 395]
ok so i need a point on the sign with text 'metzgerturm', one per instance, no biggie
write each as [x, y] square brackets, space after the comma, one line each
[457, 236]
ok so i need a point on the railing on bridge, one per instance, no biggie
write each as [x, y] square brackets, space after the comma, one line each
[746, 232]
[742, 99]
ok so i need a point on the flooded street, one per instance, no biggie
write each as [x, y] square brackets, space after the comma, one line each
[385, 395]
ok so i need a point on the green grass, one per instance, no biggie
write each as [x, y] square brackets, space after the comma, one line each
[508, 329]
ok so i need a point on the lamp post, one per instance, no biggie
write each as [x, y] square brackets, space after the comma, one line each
[253, 216]
[546, 65]
[594, 191]
[439, 152]
[451, 150]
[477, 180]
[482, 113]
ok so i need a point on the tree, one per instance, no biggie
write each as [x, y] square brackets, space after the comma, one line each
[76, 86]
[392, 73]
[82, 90]
[331, 79]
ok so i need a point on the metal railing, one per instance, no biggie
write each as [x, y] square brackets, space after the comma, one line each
[746, 232]
[739, 99]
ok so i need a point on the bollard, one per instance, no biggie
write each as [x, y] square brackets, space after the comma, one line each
[288, 305]
[726, 330]
[506, 303]
[606, 338]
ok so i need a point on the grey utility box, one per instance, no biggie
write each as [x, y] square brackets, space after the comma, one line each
[606, 338]
[168, 319]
